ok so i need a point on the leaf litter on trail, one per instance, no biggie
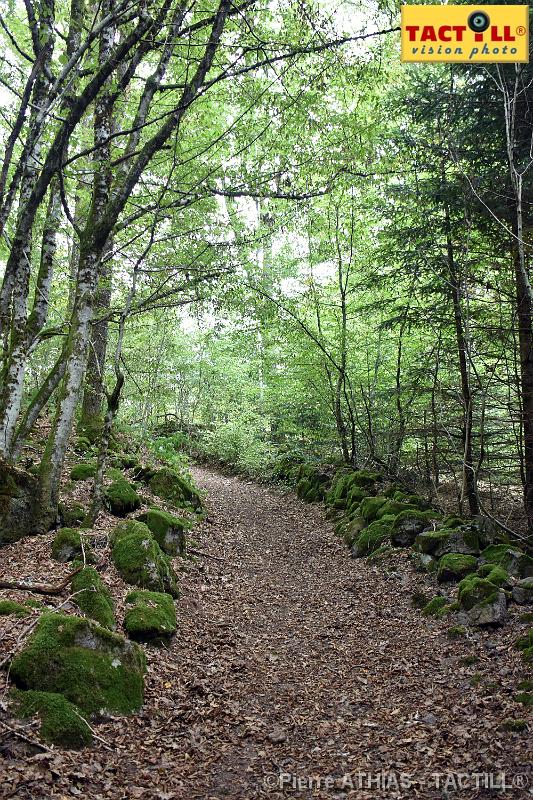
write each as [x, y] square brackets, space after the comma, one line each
[290, 659]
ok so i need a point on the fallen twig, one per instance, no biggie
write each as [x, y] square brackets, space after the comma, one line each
[40, 588]
[25, 738]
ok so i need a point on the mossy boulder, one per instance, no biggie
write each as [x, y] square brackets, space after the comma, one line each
[352, 530]
[435, 606]
[66, 546]
[93, 668]
[143, 474]
[446, 540]
[62, 723]
[393, 508]
[93, 597]
[83, 470]
[168, 531]
[71, 514]
[129, 461]
[370, 507]
[18, 503]
[364, 478]
[454, 566]
[515, 561]
[495, 574]
[408, 525]
[372, 537]
[176, 489]
[83, 445]
[140, 560]
[523, 591]
[150, 616]
[423, 562]
[10, 608]
[121, 498]
[484, 602]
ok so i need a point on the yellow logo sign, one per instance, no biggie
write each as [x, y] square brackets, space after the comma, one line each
[472, 34]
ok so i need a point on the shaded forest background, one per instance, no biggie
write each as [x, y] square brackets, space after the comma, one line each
[246, 233]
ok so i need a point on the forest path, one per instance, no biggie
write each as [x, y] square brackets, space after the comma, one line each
[311, 665]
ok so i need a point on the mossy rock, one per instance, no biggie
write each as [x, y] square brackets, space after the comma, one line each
[143, 474]
[140, 561]
[93, 597]
[355, 496]
[453, 521]
[168, 531]
[435, 606]
[308, 491]
[10, 608]
[370, 506]
[352, 530]
[128, 527]
[83, 470]
[18, 503]
[129, 461]
[364, 478]
[456, 632]
[515, 561]
[66, 546]
[121, 498]
[454, 566]
[446, 540]
[408, 525]
[62, 723]
[474, 590]
[495, 574]
[525, 641]
[372, 537]
[423, 562]
[393, 508]
[523, 591]
[83, 445]
[71, 514]
[150, 616]
[176, 489]
[93, 668]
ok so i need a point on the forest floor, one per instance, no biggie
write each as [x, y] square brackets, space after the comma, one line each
[299, 672]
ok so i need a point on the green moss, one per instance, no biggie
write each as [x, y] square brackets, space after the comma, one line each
[513, 725]
[126, 528]
[66, 546]
[527, 617]
[456, 632]
[495, 574]
[82, 471]
[90, 666]
[454, 566]
[383, 551]
[429, 541]
[372, 537]
[175, 489]
[476, 679]
[525, 641]
[62, 723]
[526, 698]
[129, 461]
[512, 559]
[121, 498]
[419, 600]
[468, 661]
[83, 445]
[143, 473]
[452, 521]
[150, 616]
[413, 513]
[168, 531]
[474, 590]
[526, 686]
[71, 514]
[352, 530]
[10, 608]
[140, 561]
[364, 478]
[434, 606]
[393, 508]
[93, 597]
[527, 654]
[370, 506]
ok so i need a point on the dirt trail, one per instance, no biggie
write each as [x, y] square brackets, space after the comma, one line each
[294, 666]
